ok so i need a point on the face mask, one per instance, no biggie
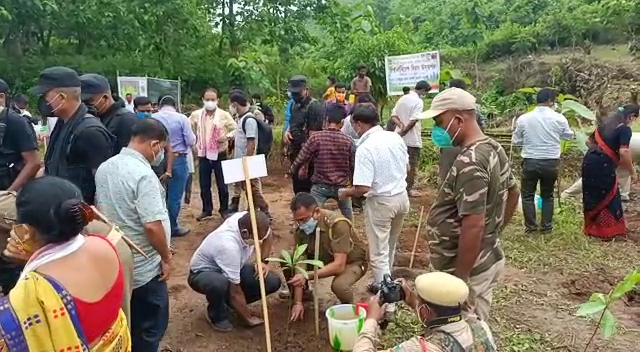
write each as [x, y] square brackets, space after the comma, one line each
[210, 105]
[309, 226]
[98, 106]
[297, 97]
[46, 108]
[157, 158]
[289, 95]
[418, 314]
[340, 97]
[441, 137]
[232, 110]
[143, 115]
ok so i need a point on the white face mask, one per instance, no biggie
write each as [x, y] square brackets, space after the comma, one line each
[232, 110]
[210, 105]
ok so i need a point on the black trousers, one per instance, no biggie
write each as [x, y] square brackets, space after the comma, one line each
[304, 184]
[207, 168]
[544, 172]
[215, 287]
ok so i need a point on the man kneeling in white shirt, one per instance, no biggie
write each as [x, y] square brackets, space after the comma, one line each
[220, 269]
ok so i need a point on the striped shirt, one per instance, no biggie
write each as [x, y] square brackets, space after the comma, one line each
[129, 194]
[332, 153]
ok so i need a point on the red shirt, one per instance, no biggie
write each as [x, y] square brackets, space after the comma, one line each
[332, 153]
[97, 317]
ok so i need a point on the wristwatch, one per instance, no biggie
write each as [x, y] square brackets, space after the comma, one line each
[168, 174]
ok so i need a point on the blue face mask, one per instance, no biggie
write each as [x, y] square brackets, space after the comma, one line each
[142, 115]
[289, 95]
[309, 226]
[440, 136]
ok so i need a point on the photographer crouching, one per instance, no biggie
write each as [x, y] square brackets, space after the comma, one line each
[438, 302]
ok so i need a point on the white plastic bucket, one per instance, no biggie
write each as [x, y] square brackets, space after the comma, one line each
[345, 322]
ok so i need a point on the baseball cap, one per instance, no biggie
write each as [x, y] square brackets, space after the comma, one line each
[93, 84]
[450, 99]
[297, 84]
[4, 87]
[442, 289]
[56, 77]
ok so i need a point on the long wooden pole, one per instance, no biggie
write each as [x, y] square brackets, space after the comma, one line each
[316, 254]
[256, 239]
[415, 240]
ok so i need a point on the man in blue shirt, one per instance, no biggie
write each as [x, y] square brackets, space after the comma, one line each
[182, 139]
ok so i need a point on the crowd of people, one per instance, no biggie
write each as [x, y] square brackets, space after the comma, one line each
[116, 173]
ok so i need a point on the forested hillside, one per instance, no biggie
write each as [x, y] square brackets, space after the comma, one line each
[258, 44]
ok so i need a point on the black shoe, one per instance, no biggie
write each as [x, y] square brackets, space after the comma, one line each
[222, 326]
[181, 232]
[235, 204]
[204, 216]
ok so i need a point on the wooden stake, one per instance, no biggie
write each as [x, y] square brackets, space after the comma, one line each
[256, 239]
[415, 241]
[316, 254]
[115, 237]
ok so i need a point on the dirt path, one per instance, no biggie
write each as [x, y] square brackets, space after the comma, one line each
[526, 301]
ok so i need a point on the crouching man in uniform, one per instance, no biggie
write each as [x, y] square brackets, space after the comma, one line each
[343, 255]
[438, 302]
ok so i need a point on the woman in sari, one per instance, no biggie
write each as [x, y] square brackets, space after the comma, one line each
[69, 294]
[603, 213]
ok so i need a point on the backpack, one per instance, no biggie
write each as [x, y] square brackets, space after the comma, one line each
[265, 135]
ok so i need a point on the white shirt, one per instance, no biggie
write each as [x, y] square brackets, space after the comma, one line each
[540, 131]
[223, 251]
[407, 109]
[130, 107]
[381, 163]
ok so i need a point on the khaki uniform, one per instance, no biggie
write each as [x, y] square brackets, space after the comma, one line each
[469, 335]
[337, 236]
[478, 183]
[9, 272]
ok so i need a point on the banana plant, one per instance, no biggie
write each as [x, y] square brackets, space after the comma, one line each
[294, 263]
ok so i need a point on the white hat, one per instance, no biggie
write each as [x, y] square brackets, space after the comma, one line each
[450, 99]
[442, 289]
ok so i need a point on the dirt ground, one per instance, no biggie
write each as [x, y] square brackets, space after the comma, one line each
[543, 303]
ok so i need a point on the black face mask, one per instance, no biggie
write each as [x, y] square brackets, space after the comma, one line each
[44, 107]
[297, 97]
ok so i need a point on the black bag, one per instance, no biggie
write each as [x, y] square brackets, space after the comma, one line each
[8, 171]
[265, 135]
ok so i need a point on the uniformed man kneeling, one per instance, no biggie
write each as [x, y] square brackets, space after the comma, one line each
[343, 255]
[438, 303]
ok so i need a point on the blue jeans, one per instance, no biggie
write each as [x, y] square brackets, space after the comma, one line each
[149, 315]
[175, 189]
[322, 193]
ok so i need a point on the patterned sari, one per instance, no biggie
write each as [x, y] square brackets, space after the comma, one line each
[39, 315]
[603, 212]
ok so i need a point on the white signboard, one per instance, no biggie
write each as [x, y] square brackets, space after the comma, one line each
[233, 170]
[407, 70]
[136, 86]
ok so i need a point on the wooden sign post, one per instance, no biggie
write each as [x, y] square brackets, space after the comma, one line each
[415, 240]
[316, 255]
[251, 167]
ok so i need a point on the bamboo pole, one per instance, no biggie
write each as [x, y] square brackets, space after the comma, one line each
[415, 241]
[115, 237]
[316, 254]
[256, 239]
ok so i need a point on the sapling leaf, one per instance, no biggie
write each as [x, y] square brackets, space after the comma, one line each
[303, 272]
[608, 324]
[590, 308]
[287, 257]
[625, 286]
[313, 262]
[598, 297]
[298, 252]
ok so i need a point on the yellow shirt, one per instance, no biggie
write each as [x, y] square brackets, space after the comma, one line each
[330, 94]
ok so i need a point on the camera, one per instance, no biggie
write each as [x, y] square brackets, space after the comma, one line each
[390, 291]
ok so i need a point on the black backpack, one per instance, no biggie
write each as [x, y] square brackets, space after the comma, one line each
[265, 135]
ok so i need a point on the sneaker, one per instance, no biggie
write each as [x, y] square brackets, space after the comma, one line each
[181, 232]
[222, 326]
[204, 216]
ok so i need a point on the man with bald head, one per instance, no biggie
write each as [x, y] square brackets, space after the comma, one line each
[476, 201]
[221, 270]
[79, 142]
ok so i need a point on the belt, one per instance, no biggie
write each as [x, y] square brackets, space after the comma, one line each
[179, 154]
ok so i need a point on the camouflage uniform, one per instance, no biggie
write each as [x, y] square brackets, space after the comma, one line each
[469, 335]
[337, 236]
[477, 183]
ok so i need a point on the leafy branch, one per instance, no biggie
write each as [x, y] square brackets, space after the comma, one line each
[599, 306]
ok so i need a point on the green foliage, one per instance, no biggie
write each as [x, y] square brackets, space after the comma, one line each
[599, 304]
[297, 262]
